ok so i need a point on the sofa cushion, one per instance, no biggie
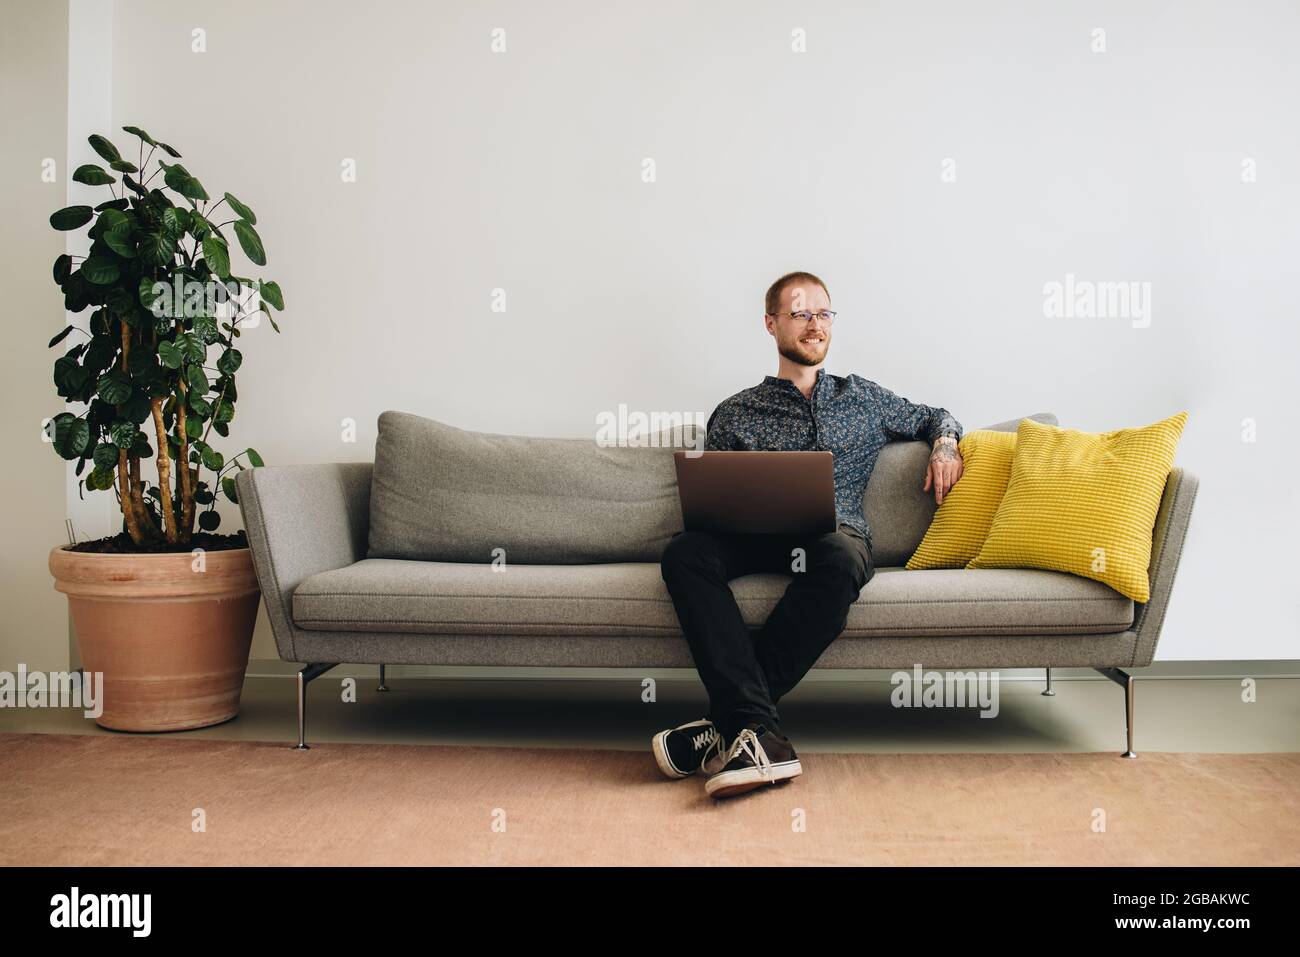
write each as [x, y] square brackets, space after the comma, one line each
[630, 599]
[1084, 503]
[439, 493]
[962, 522]
[895, 504]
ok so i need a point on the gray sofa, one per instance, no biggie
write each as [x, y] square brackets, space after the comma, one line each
[462, 548]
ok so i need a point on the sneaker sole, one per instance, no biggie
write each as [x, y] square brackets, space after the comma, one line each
[729, 783]
[661, 757]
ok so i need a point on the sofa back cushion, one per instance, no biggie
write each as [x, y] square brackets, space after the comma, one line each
[895, 506]
[439, 493]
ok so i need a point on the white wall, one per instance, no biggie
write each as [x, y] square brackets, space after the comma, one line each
[33, 114]
[522, 170]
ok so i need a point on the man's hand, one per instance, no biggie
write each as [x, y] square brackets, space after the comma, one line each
[945, 467]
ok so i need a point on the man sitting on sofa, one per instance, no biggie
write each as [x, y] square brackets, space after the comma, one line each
[740, 745]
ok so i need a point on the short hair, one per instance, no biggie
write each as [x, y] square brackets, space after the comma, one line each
[772, 301]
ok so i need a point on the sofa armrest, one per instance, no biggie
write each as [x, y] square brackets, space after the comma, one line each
[1166, 549]
[302, 519]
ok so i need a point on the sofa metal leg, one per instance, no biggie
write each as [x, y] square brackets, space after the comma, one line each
[1048, 690]
[304, 676]
[1125, 681]
[382, 685]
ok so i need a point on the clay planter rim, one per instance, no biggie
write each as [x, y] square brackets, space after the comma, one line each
[165, 576]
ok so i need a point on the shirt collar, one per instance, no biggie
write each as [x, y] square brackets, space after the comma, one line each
[771, 380]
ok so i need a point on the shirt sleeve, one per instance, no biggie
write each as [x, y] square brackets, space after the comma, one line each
[718, 436]
[903, 419]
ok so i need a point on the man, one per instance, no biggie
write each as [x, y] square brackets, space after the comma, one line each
[740, 745]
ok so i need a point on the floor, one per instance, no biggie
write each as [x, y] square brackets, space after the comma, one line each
[514, 770]
[76, 799]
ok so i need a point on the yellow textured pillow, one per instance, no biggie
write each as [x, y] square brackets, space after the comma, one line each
[962, 522]
[1084, 502]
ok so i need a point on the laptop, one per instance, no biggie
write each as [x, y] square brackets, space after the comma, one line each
[767, 493]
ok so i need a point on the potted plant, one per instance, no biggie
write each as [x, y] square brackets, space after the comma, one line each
[165, 613]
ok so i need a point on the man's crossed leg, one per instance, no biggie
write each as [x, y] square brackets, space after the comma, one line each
[747, 674]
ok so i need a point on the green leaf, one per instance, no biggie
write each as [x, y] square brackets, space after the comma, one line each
[104, 148]
[205, 327]
[92, 175]
[241, 210]
[182, 182]
[120, 243]
[71, 435]
[270, 291]
[62, 269]
[100, 480]
[64, 334]
[114, 388]
[100, 270]
[70, 377]
[168, 150]
[230, 361]
[114, 221]
[171, 221]
[136, 131]
[169, 355]
[147, 293]
[210, 520]
[228, 486]
[197, 380]
[157, 249]
[124, 166]
[212, 458]
[122, 433]
[105, 456]
[71, 217]
[250, 241]
[225, 412]
[217, 255]
[193, 347]
[193, 427]
[254, 459]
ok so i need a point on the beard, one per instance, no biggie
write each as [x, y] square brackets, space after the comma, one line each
[804, 355]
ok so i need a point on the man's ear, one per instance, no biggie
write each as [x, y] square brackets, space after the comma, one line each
[770, 322]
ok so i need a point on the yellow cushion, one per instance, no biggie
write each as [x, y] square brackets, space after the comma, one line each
[1084, 502]
[962, 522]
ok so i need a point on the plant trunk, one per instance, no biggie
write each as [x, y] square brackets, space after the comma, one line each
[127, 467]
[185, 484]
[164, 473]
[145, 520]
[127, 502]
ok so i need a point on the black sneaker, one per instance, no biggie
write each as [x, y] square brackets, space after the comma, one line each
[680, 752]
[757, 756]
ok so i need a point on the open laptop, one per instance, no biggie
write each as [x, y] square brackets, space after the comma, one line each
[773, 493]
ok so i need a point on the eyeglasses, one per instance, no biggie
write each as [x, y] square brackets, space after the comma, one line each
[826, 316]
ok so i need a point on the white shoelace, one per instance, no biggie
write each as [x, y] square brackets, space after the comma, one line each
[704, 738]
[747, 741]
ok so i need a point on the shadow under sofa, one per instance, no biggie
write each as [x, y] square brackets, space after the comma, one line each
[309, 530]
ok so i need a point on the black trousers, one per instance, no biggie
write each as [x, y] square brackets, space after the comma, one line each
[747, 674]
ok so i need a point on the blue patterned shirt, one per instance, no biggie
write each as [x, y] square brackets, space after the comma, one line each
[849, 416]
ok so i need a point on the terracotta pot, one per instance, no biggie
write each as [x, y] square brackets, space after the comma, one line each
[171, 641]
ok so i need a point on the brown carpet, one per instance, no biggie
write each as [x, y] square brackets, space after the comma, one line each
[118, 799]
